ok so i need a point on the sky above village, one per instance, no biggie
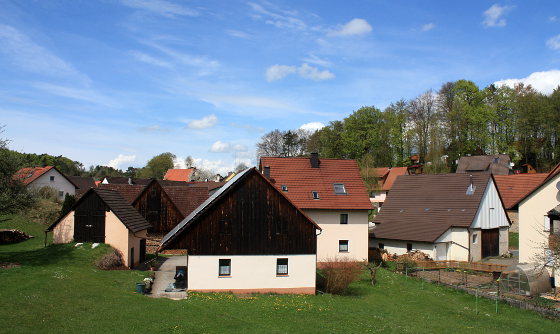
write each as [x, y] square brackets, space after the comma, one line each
[116, 82]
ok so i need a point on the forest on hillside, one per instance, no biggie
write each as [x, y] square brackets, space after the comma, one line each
[439, 126]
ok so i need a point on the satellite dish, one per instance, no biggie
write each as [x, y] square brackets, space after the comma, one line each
[558, 185]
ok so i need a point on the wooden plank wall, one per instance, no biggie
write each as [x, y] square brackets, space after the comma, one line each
[253, 218]
[158, 209]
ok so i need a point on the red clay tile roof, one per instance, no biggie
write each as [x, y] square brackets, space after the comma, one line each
[30, 174]
[393, 173]
[555, 171]
[301, 179]
[514, 187]
[186, 199]
[381, 171]
[128, 191]
[179, 174]
[423, 207]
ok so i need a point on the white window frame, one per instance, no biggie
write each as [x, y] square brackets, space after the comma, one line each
[284, 188]
[315, 195]
[282, 269]
[343, 189]
[546, 223]
[222, 273]
[340, 243]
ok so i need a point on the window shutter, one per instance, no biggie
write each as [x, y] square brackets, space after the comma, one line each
[546, 224]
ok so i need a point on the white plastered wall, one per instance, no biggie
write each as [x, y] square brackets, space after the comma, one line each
[457, 240]
[356, 232]
[120, 238]
[251, 272]
[63, 232]
[399, 246]
[60, 183]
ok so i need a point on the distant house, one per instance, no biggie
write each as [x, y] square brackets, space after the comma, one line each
[247, 237]
[103, 216]
[514, 187]
[333, 194]
[83, 184]
[124, 180]
[449, 217]
[49, 176]
[498, 164]
[184, 175]
[386, 176]
[539, 220]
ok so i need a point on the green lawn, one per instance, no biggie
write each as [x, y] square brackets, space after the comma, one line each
[513, 240]
[57, 289]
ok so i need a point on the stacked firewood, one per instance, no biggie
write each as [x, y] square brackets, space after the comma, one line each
[13, 236]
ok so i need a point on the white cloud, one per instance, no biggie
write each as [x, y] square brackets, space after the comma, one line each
[428, 26]
[553, 18]
[120, 160]
[544, 82]
[238, 34]
[161, 7]
[32, 57]
[179, 163]
[203, 63]
[317, 61]
[87, 95]
[554, 42]
[204, 123]
[279, 18]
[312, 126]
[219, 147]
[493, 16]
[140, 56]
[354, 27]
[277, 72]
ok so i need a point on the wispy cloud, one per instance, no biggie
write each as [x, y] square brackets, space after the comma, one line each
[88, 95]
[140, 56]
[352, 28]
[313, 126]
[249, 128]
[493, 16]
[554, 42]
[277, 17]
[32, 57]
[161, 7]
[544, 82]
[202, 63]
[204, 123]
[428, 26]
[277, 72]
[154, 128]
[120, 160]
[220, 146]
[312, 59]
[553, 18]
[238, 34]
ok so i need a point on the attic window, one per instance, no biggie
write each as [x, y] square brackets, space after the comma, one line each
[339, 189]
[427, 209]
[52, 177]
[315, 194]
[284, 188]
[496, 160]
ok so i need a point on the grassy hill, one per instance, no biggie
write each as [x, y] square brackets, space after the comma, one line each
[58, 289]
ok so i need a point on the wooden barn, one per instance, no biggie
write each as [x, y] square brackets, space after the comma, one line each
[247, 237]
[104, 216]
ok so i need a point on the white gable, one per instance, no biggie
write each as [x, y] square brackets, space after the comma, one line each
[491, 213]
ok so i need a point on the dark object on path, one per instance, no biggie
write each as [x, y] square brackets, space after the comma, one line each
[13, 236]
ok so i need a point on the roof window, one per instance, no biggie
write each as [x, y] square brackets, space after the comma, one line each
[315, 194]
[284, 188]
[339, 189]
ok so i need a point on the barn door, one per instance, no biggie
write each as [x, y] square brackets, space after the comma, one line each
[142, 250]
[490, 242]
[89, 220]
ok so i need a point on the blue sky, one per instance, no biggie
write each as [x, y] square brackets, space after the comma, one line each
[117, 82]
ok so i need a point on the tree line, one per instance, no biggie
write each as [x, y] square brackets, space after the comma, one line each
[439, 126]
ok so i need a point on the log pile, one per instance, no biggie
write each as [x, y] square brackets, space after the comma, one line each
[412, 256]
[12, 236]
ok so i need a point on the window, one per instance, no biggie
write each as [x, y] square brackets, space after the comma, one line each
[343, 245]
[555, 226]
[52, 177]
[281, 266]
[339, 189]
[284, 187]
[61, 194]
[344, 218]
[225, 267]
[408, 247]
[315, 194]
[474, 238]
[546, 224]
[381, 245]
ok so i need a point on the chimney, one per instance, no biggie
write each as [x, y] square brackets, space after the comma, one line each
[314, 159]
[267, 172]
[129, 180]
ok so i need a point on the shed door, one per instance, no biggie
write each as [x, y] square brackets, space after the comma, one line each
[441, 251]
[89, 227]
[142, 250]
[491, 242]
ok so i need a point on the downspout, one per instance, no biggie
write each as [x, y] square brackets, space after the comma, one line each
[470, 236]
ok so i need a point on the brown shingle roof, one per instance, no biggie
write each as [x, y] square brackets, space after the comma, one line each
[128, 191]
[126, 180]
[497, 164]
[302, 179]
[186, 199]
[83, 184]
[423, 207]
[514, 187]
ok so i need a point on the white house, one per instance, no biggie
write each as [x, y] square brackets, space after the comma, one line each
[49, 176]
[333, 194]
[449, 217]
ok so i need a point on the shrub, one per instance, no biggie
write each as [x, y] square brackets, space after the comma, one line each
[337, 274]
[110, 261]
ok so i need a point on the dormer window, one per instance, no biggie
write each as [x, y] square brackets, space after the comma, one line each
[52, 177]
[284, 188]
[315, 194]
[339, 189]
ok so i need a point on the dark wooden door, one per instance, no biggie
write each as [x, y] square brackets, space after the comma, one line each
[142, 250]
[132, 257]
[491, 242]
[89, 220]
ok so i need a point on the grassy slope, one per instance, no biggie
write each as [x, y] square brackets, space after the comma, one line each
[58, 289]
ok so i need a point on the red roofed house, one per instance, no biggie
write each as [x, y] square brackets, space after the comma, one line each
[514, 187]
[48, 176]
[386, 176]
[333, 194]
[179, 174]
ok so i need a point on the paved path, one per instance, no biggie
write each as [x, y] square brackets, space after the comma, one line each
[165, 276]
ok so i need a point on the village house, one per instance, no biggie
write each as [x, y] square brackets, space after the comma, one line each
[184, 174]
[248, 237]
[513, 188]
[449, 217]
[386, 176]
[497, 164]
[333, 194]
[539, 223]
[82, 183]
[103, 216]
[48, 176]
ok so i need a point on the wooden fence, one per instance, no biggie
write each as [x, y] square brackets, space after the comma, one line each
[464, 265]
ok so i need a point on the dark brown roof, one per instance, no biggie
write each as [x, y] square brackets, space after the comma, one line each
[173, 183]
[83, 184]
[497, 164]
[210, 185]
[423, 207]
[128, 191]
[186, 199]
[118, 205]
[127, 180]
[514, 187]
